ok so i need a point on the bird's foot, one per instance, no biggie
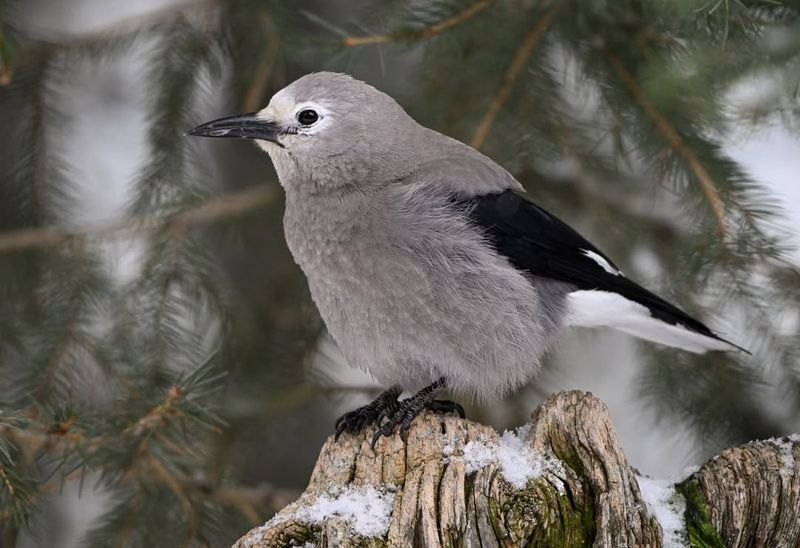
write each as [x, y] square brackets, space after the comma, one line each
[356, 420]
[401, 415]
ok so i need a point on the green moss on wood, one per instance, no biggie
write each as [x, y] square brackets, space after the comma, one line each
[700, 530]
[571, 458]
[496, 518]
[372, 542]
[539, 515]
[296, 533]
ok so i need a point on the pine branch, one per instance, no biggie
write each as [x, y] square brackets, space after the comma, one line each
[186, 505]
[512, 73]
[426, 32]
[255, 92]
[6, 59]
[674, 139]
[16, 490]
[82, 289]
[132, 447]
[217, 209]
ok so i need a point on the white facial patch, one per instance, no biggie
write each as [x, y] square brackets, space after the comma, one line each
[322, 111]
[279, 108]
[600, 260]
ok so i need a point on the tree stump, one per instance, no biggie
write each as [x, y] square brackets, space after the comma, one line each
[561, 480]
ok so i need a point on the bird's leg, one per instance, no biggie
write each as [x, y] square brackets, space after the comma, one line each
[406, 410]
[357, 419]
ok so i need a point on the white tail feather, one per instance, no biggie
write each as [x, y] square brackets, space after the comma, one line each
[606, 309]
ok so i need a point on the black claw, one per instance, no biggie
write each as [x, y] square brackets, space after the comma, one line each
[400, 420]
[357, 419]
[377, 435]
[387, 412]
[402, 413]
[342, 426]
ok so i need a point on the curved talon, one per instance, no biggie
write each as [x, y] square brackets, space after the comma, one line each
[352, 421]
[382, 431]
[375, 437]
[357, 419]
[404, 430]
[342, 426]
[401, 413]
[387, 411]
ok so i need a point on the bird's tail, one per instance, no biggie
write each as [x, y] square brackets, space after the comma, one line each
[592, 308]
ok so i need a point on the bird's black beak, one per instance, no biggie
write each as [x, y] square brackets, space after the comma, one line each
[242, 126]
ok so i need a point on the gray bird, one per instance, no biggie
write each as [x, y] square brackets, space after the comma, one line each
[429, 268]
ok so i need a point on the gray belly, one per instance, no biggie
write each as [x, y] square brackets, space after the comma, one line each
[414, 313]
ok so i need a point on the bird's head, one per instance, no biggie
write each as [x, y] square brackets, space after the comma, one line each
[325, 127]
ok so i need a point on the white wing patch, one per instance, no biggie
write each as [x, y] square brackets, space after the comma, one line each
[599, 259]
[606, 309]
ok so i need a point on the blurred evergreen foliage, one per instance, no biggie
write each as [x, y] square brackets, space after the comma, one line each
[175, 389]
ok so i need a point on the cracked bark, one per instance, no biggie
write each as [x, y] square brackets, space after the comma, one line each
[747, 496]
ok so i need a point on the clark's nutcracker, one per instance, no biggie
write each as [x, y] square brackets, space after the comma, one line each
[429, 268]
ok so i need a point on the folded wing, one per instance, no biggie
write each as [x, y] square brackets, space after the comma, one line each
[539, 243]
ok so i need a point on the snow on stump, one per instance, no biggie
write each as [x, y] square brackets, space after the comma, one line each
[561, 480]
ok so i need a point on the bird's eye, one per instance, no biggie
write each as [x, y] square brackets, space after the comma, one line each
[307, 117]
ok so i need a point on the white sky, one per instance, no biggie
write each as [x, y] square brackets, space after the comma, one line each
[772, 156]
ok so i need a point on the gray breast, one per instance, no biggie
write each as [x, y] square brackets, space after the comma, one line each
[411, 292]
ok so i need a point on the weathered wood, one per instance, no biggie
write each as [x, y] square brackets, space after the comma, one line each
[563, 482]
[751, 495]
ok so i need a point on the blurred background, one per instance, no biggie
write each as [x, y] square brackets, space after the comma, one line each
[165, 379]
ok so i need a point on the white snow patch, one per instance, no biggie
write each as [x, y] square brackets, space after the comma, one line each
[255, 536]
[788, 458]
[518, 462]
[785, 446]
[668, 507]
[365, 508]
[478, 454]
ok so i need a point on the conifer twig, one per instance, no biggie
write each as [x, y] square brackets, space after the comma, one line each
[216, 209]
[426, 32]
[158, 414]
[512, 73]
[255, 92]
[70, 333]
[674, 139]
[174, 485]
[7, 481]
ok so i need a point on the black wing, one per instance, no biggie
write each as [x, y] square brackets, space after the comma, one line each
[537, 242]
